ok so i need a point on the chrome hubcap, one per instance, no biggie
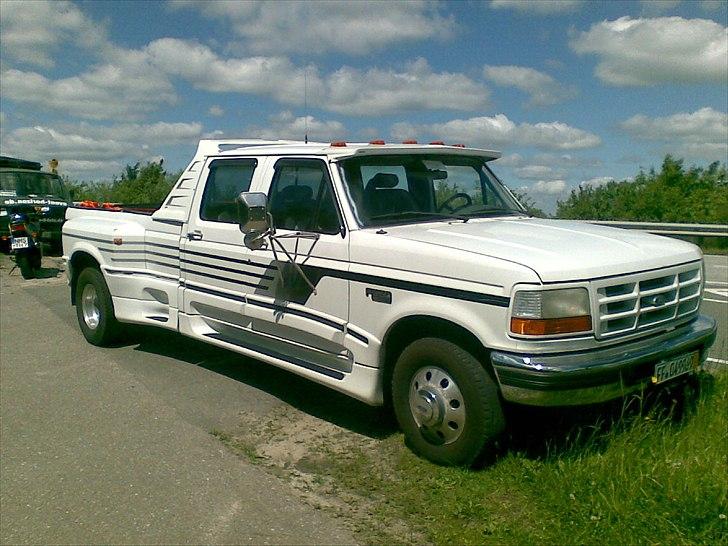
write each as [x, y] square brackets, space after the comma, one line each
[90, 306]
[437, 405]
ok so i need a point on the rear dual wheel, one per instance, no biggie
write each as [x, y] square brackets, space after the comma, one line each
[95, 308]
[447, 405]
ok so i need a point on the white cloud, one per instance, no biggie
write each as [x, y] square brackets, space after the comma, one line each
[347, 91]
[543, 90]
[375, 91]
[132, 83]
[32, 32]
[596, 181]
[536, 172]
[287, 126]
[500, 131]
[102, 149]
[566, 160]
[703, 133]
[510, 160]
[318, 27]
[215, 110]
[540, 7]
[125, 89]
[551, 187]
[659, 50]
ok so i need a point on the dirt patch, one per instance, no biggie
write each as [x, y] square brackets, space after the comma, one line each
[52, 272]
[301, 449]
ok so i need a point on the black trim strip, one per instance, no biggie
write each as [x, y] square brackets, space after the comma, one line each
[272, 306]
[305, 314]
[358, 336]
[233, 260]
[173, 266]
[117, 251]
[159, 319]
[231, 270]
[226, 279]
[411, 286]
[96, 240]
[160, 245]
[160, 254]
[280, 356]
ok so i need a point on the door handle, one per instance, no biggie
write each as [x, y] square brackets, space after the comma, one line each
[195, 235]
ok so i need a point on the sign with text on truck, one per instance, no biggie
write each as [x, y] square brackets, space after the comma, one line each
[403, 274]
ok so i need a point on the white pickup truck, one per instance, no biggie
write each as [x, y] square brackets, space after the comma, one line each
[395, 273]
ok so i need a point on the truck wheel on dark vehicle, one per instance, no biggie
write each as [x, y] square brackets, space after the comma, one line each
[95, 309]
[446, 403]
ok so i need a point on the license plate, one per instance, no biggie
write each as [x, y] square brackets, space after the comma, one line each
[674, 367]
[19, 242]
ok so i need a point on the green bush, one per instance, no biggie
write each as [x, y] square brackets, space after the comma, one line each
[146, 184]
[696, 195]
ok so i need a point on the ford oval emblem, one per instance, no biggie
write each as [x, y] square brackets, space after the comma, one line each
[656, 301]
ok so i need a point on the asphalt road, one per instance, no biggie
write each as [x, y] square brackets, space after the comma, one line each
[115, 445]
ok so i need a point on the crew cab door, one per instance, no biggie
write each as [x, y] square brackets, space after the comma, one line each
[257, 299]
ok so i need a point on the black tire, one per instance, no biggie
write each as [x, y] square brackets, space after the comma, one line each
[106, 329]
[24, 263]
[36, 260]
[467, 435]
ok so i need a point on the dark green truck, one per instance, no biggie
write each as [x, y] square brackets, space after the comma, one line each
[26, 189]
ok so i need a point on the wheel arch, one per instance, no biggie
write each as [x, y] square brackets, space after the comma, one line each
[411, 328]
[79, 261]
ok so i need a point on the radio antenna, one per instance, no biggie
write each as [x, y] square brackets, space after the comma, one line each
[305, 105]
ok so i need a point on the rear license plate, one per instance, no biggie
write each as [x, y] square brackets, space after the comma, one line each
[674, 367]
[19, 242]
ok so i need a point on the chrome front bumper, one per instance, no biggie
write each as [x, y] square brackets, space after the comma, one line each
[587, 377]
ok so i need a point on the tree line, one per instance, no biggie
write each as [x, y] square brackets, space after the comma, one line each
[139, 184]
[674, 194]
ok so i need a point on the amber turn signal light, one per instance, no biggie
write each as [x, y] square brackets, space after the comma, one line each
[545, 327]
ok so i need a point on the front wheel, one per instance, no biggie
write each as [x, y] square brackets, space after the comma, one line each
[95, 309]
[446, 403]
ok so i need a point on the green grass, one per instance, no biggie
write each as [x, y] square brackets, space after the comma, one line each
[636, 477]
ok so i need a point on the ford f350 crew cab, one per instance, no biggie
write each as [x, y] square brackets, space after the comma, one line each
[395, 273]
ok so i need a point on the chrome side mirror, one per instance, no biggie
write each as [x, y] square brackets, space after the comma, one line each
[253, 218]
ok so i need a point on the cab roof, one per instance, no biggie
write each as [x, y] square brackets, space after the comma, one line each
[334, 150]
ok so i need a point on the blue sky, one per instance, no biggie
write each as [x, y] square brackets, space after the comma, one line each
[572, 92]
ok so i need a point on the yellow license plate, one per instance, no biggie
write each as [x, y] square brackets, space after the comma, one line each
[674, 367]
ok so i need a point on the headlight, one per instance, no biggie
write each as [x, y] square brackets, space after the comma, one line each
[548, 312]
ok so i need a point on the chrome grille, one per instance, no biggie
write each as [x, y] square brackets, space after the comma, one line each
[633, 303]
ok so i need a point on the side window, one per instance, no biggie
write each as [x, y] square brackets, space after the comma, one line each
[300, 197]
[227, 178]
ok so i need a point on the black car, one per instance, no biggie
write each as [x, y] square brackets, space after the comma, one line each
[41, 196]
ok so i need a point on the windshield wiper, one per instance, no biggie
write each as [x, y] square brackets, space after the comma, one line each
[395, 215]
[494, 212]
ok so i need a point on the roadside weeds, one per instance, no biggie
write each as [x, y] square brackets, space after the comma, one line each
[640, 475]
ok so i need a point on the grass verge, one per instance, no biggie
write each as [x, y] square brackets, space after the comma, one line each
[642, 477]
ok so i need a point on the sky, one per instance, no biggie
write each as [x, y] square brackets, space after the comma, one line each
[572, 92]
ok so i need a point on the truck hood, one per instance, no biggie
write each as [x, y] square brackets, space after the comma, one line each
[557, 250]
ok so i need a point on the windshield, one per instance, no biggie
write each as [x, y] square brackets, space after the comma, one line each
[32, 184]
[395, 189]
